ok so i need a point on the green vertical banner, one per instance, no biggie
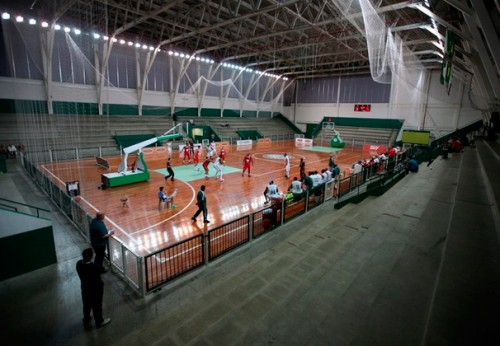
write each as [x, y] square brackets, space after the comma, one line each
[446, 67]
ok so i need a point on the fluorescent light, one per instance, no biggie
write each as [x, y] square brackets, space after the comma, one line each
[77, 31]
[66, 29]
[96, 36]
[32, 21]
[45, 24]
[5, 15]
[57, 27]
[19, 19]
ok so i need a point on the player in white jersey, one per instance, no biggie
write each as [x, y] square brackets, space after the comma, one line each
[287, 165]
[218, 168]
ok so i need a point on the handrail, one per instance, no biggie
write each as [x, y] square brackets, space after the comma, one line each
[38, 209]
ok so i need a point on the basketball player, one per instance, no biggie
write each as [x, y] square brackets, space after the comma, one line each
[222, 155]
[205, 166]
[210, 151]
[247, 164]
[218, 168]
[187, 153]
[287, 166]
[196, 158]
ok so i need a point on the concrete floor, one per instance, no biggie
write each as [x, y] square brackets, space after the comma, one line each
[419, 265]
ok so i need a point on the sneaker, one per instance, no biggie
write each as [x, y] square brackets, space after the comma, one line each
[206, 221]
[249, 175]
[173, 206]
[104, 322]
[194, 220]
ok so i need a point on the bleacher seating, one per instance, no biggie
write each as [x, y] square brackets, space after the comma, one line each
[360, 135]
[60, 132]
[267, 127]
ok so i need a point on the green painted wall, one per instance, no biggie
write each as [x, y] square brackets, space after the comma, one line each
[29, 251]
[210, 112]
[75, 108]
[229, 113]
[23, 106]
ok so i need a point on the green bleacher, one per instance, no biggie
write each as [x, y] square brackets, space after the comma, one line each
[249, 134]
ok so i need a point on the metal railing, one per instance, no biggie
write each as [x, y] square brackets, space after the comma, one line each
[166, 264]
[23, 208]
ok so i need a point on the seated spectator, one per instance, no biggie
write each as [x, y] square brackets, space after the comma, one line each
[224, 124]
[456, 146]
[296, 189]
[336, 171]
[12, 151]
[325, 176]
[166, 200]
[308, 182]
[271, 191]
[412, 165]
[392, 152]
[357, 167]
[317, 179]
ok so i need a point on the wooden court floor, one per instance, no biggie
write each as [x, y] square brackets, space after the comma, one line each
[145, 229]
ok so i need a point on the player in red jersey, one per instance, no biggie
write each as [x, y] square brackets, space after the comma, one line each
[222, 155]
[205, 166]
[247, 164]
[196, 158]
[187, 153]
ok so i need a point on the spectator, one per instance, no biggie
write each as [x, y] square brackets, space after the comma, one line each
[92, 289]
[358, 167]
[331, 163]
[271, 191]
[336, 171]
[308, 182]
[412, 165]
[296, 189]
[99, 238]
[12, 151]
[169, 199]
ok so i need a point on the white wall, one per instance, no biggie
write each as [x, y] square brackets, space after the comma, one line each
[443, 112]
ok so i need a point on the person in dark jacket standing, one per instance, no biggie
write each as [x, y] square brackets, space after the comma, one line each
[169, 170]
[92, 289]
[201, 201]
[99, 236]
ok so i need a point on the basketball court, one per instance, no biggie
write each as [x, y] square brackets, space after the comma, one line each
[143, 228]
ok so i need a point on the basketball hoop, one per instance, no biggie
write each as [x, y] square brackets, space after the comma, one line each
[327, 125]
